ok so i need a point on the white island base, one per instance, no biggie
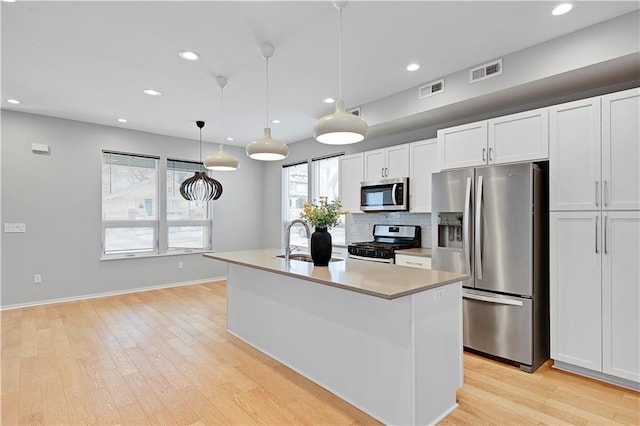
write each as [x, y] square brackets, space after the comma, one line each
[398, 360]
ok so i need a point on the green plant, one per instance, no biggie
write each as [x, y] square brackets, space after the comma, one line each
[322, 214]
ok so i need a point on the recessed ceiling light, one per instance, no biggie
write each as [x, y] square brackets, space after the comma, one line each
[276, 121]
[14, 101]
[229, 139]
[561, 9]
[151, 92]
[413, 67]
[328, 100]
[121, 120]
[9, 1]
[189, 55]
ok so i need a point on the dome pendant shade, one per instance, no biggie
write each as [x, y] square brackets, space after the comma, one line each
[201, 187]
[221, 161]
[267, 149]
[340, 128]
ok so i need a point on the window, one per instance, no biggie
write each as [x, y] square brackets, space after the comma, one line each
[295, 179]
[129, 203]
[136, 220]
[326, 183]
[188, 222]
[298, 189]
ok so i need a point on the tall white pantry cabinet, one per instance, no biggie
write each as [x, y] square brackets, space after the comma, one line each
[594, 202]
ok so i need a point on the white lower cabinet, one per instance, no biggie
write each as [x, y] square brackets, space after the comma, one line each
[595, 291]
[621, 295]
[413, 261]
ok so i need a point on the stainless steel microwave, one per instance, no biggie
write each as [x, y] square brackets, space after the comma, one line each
[384, 195]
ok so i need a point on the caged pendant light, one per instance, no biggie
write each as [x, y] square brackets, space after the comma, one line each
[340, 128]
[200, 187]
[267, 149]
[221, 161]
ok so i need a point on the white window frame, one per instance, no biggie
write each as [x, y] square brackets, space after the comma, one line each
[285, 196]
[315, 185]
[208, 223]
[160, 225]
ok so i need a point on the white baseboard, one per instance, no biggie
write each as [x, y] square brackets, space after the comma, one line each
[108, 293]
[618, 381]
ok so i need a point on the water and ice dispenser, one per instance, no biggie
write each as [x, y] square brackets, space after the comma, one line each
[450, 230]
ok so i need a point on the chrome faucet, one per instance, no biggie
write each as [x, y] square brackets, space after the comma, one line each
[287, 249]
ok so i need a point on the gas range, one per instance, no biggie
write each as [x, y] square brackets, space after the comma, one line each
[386, 240]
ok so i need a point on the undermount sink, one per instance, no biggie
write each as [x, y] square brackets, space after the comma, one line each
[306, 257]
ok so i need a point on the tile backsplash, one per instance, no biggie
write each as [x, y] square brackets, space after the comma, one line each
[359, 226]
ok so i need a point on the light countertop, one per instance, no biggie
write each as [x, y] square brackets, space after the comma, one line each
[383, 280]
[418, 251]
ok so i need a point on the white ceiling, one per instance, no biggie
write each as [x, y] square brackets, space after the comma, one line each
[89, 61]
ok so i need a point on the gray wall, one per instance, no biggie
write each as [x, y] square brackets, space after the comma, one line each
[58, 196]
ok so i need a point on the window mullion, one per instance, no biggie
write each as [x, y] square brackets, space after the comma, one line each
[162, 229]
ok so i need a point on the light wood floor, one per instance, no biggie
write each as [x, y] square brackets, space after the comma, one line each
[163, 357]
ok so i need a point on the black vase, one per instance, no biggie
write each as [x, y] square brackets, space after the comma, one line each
[321, 247]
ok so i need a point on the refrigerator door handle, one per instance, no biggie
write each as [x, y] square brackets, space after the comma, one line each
[478, 248]
[490, 299]
[467, 226]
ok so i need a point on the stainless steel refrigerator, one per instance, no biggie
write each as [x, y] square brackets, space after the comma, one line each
[492, 224]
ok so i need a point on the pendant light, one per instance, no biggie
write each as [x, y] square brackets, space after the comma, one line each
[340, 128]
[221, 161]
[201, 187]
[267, 149]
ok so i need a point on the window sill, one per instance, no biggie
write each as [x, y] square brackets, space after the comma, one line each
[148, 255]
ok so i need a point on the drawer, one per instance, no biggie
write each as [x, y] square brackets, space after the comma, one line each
[413, 261]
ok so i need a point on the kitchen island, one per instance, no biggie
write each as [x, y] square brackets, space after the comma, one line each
[384, 338]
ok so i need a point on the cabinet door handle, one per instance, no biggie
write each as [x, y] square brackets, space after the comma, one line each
[596, 221]
[413, 263]
[606, 193]
[606, 251]
[484, 154]
[490, 154]
[597, 194]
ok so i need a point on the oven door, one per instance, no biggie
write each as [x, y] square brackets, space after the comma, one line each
[384, 195]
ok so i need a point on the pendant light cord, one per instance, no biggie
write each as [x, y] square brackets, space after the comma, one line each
[222, 114]
[340, 59]
[267, 74]
[201, 146]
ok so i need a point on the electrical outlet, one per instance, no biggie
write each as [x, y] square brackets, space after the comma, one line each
[15, 227]
[37, 279]
[438, 295]
[180, 265]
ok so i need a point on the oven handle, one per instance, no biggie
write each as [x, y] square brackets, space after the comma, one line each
[370, 259]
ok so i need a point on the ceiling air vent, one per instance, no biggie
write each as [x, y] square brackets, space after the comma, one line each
[431, 89]
[485, 71]
[355, 111]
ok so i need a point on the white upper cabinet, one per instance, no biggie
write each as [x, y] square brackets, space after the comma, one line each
[621, 150]
[423, 162]
[351, 174]
[594, 153]
[574, 158]
[462, 146]
[519, 137]
[387, 163]
[512, 138]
